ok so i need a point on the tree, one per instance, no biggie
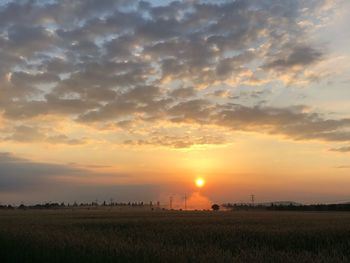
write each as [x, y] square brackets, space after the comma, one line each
[215, 207]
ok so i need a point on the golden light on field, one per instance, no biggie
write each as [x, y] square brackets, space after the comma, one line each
[200, 182]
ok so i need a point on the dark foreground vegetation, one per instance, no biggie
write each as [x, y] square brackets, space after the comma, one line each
[106, 235]
[289, 207]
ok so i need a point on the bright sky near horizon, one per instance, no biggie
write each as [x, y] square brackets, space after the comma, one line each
[134, 100]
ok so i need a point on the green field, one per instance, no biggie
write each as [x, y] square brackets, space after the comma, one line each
[173, 236]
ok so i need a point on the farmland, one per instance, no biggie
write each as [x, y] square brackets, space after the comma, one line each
[173, 236]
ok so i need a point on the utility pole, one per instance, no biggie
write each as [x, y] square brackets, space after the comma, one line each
[252, 198]
[171, 202]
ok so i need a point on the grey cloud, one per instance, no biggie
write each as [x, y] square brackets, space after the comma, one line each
[109, 111]
[178, 142]
[25, 134]
[25, 109]
[20, 174]
[196, 34]
[145, 99]
[8, 60]
[196, 110]
[63, 12]
[68, 106]
[168, 12]
[96, 61]
[230, 65]
[292, 122]
[142, 94]
[31, 181]
[64, 139]
[56, 66]
[23, 78]
[27, 39]
[121, 48]
[28, 134]
[344, 149]
[219, 93]
[251, 95]
[183, 92]
[225, 67]
[52, 105]
[298, 56]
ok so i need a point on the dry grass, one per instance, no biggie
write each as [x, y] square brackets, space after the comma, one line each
[170, 236]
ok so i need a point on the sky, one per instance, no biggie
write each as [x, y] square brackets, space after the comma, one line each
[134, 100]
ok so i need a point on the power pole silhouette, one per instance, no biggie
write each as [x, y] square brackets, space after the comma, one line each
[252, 198]
[171, 202]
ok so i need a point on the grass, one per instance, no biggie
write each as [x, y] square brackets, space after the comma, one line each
[170, 236]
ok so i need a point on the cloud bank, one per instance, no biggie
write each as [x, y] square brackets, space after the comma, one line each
[28, 181]
[142, 64]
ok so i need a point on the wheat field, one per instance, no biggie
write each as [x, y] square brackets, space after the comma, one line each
[173, 236]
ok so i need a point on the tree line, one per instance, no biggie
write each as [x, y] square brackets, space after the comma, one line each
[55, 205]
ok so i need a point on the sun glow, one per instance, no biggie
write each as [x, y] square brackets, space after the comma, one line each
[200, 182]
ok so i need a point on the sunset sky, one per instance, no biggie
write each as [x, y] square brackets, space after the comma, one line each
[134, 100]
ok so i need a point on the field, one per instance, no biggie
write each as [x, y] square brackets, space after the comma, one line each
[173, 236]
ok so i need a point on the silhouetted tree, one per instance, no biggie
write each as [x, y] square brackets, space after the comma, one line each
[215, 207]
[22, 206]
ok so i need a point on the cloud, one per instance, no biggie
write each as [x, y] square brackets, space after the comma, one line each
[220, 93]
[299, 56]
[30, 134]
[343, 167]
[24, 180]
[130, 61]
[20, 174]
[25, 134]
[344, 149]
[183, 92]
[24, 39]
[23, 78]
[292, 122]
[178, 142]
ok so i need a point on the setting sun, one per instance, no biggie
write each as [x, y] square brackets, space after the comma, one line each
[200, 182]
